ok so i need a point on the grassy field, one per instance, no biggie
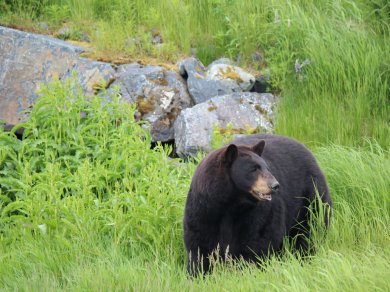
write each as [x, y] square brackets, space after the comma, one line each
[85, 204]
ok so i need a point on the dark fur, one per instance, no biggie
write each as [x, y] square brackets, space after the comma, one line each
[220, 216]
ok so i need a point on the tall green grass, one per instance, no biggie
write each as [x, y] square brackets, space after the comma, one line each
[343, 94]
[84, 168]
[85, 204]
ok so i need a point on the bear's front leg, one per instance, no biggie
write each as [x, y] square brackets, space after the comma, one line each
[197, 263]
[266, 230]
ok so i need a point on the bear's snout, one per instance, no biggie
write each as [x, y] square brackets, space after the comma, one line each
[264, 187]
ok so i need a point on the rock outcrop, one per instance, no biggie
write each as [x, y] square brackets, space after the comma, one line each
[243, 111]
[218, 79]
[163, 98]
[28, 60]
[160, 96]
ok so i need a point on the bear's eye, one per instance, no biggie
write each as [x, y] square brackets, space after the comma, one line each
[255, 168]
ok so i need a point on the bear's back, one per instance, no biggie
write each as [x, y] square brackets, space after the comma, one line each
[282, 153]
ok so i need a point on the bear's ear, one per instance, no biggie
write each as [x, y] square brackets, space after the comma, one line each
[230, 154]
[259, 147]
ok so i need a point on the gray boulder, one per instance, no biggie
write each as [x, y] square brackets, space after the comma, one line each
[160, 96]
[233, 74]
[28, 60]
[244, 111]
[220, 78]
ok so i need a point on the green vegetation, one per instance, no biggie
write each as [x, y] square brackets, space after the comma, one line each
[85, 204]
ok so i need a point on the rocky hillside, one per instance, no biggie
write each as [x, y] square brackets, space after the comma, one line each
[181, 106]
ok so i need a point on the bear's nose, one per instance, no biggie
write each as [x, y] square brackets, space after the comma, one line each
[274, 186]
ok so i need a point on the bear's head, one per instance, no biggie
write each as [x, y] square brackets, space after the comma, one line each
[249, 172]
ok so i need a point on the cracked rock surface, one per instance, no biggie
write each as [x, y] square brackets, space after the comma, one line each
[160, 96]
[219, 78]
[243, 111]
[27, 60]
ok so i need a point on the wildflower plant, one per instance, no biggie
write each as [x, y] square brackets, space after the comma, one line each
[85, 166]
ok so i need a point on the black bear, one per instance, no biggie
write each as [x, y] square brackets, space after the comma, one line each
[247, 196]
